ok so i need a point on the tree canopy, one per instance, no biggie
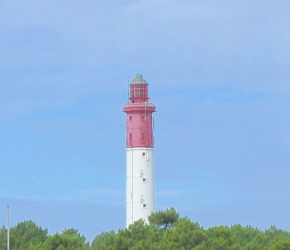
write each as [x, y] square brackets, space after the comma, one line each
[166, 230]
[164, 219]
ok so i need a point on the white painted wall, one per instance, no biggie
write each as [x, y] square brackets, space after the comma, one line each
[139, 184]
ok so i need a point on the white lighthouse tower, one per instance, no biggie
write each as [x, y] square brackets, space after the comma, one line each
[139, 152]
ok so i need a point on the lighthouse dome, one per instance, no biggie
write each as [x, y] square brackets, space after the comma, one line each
[138, 80]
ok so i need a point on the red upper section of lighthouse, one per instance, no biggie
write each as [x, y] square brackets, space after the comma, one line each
[139, 115]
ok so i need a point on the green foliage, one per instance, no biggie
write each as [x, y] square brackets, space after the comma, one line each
[3, 238]
[282, 244]
[166, 230]
[69, 239]
[164, 219]
[25, 234]
[104, 241]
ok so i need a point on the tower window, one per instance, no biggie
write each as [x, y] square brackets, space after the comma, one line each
[143, 153]
[144, 205]
[130, 118]
[144, 179]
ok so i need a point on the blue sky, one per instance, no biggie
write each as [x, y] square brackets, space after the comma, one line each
[219, 76]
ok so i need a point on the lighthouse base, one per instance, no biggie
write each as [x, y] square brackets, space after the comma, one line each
[139, 185]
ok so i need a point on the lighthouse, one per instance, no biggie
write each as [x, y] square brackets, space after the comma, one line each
[139, 152]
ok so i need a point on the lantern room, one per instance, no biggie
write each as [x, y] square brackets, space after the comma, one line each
[138, 90]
